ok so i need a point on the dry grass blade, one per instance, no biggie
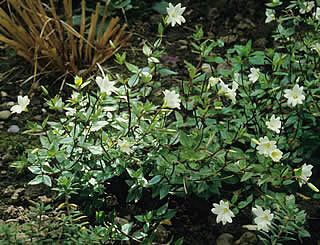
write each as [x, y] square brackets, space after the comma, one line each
[50, 42]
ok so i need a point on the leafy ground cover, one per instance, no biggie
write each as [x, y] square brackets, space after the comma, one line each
[231, 23]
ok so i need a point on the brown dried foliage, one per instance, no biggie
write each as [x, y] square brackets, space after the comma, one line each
[50, 43]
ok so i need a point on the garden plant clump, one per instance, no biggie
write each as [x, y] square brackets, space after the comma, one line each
[253, 127]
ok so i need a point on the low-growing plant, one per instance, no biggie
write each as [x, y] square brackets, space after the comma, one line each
[244, 126]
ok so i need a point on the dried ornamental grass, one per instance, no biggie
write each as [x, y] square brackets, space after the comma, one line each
[50, 43]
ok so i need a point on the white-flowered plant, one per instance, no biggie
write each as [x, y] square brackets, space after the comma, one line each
[223, 212]
[175, 14]
[266, 146]
[306, 172]
[274, 124]
[105, 85]
[213, 81]
[141, 138]
[171, 99]
[254, 74]
[276, 155]
[23, 102]
[230, 93]
[125, 146]
[307, 7]
[270, 13]
[295, 95]
[263, 218]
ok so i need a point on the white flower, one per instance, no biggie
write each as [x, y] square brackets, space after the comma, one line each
[105, 85]
[270, 13]
[308, 6]
[223, 87]
[254, 75]
[306, 172]
[175, 14]
[274, 124]
[263, 219]
[295, 96]
[230, 93]
[266, 146]
[213, 81]
[125, 146]
[171, 99]
[22, 104]
[224, 214]
[276, 155]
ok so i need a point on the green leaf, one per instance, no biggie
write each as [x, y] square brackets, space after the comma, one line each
[217, 59]
[164, 190]
[66, 140]
[132, 68]
[139, 218]
[257, 58]
[35, 170]
[179, 241]
[160, 7]
[246, 176]
[179, 117]
[245, 203]
[139, 235]
[185, 140]
[163, 209]
[133, 80]
[37, 180]
[95, 149]
[127, 227]
[166, 72]
[47, 180]
[98, 125]
[288, 182]
[155, 180]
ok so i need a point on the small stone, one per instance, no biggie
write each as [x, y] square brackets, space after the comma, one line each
[224, 239]
[37, 118]
[261, 42]
[13, 129]
[45, 199]
[161, 234]
[4, 115]
[247, 238]
[9, 190]
[3, 94]
[16, 194]
[11, 103]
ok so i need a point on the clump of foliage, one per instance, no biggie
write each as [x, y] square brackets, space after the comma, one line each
[52, 43]
[245, 126]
